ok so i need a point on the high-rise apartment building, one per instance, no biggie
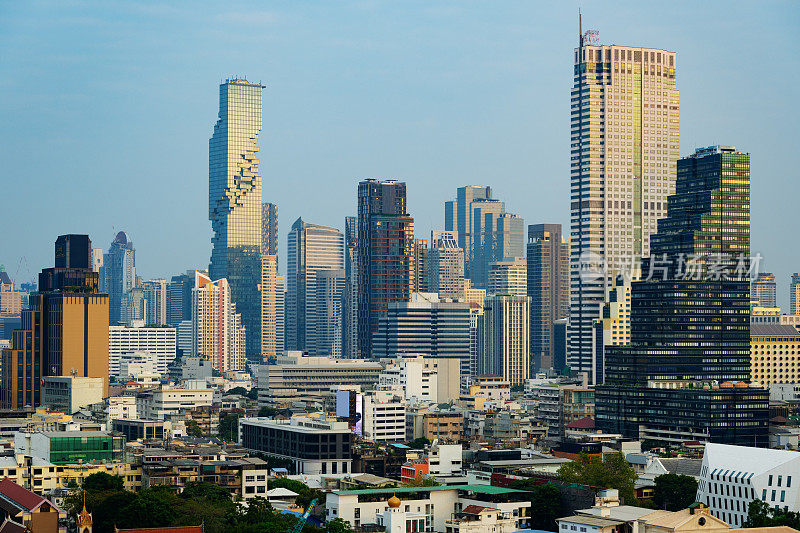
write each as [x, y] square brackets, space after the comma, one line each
[548, 287]
[685, 374]
[10, 299]
[269, 229]
[794, 295]
[158, 343]
[624, 148]
[485, 213]
[134, 307]
[328, 323]
[420, 266]
[64, 331]
[458, 218]
[216, 325]
[425, 325]
[503, 338]
[311, 249]
[97, 259]
[385, 254]
[613, 328]
[280, 314]
[155, 292]
[509, 276]
[765, 290]
[234, 202]
[446, 266]
[269, 306]
[118, 274]
[350, 340]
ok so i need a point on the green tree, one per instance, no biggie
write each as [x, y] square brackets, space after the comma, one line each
[612, 472]
[674, 492]
[545, 503]
[337, 525]
[419, 444]
[305, 494]
[229, 428]
[761, 514]
[100, 481]
[193, 428]
[421, 482]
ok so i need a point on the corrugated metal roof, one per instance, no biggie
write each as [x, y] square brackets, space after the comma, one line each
[773, 329]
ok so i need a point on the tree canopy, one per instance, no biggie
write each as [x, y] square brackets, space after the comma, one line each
[545, 503]
[674, 492]
[611, 472]
[761, 514]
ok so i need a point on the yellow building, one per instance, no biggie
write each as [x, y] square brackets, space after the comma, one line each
[39, 475]
[269, 309]
[774, 354]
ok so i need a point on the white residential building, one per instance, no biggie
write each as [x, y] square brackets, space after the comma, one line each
[733, 476]
[160, 342]
[159, 403]
[416, 378]
[216, 326]
[384, 417]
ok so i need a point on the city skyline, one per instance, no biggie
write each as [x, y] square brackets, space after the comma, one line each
[495, 147]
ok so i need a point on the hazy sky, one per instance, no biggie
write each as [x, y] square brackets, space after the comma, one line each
[106, 109]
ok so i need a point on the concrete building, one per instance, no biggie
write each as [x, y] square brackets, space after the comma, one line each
[10, 299]
[420, 280]
[765, 290]
[97, 259]
[421, 379]
[71, 393]
[619, 187]
[504, 338]
[733, 476]
[269, 305]
[269, 229]
[297, 377]
[155, 292]
[217, 328]
[64, 331]
[314, 445]
[385, 259]
[508, 276]
[458, 219]
[613, 328]
[65, 447]
[329, 314]
[160, 342]
[773, 352]
[167, 401]
[179, 298]
[312, 248]
[425, 325]
[384, 417]
[117, 276]
[794, 294]
[350, 336]
[446, 266]
[548, 287]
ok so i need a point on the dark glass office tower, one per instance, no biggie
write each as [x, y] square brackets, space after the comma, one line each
[385, 254]
[685, 374]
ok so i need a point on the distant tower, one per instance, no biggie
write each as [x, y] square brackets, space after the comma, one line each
[765, 290]
[118, 275]
[269, 229]
[794, 295]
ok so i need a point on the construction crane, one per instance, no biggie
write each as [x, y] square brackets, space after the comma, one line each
[298, 527]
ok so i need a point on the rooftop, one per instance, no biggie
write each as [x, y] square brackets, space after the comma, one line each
[481, 489]
[783, 330]
[590, 521]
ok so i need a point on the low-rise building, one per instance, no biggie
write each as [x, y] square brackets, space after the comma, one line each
[773, 350]
[26, 510]
[71, 393]
[244, 478]
[64, 447]
[384, 417]
[480, 519]
[444, 426]
[313, 445]
[166, 401]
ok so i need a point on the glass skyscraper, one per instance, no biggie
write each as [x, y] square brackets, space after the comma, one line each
[623, 152]
[234, 202]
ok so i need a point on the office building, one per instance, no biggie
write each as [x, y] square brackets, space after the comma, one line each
[422, 379]
[624, 148]
[685, 374]
[446, 266]
[509, 238]
[504, 337]
[328, 322]
[10, 299]
[71, 393]
[385, 254]
[312, 248]
[733, 476]
[296, 377]
[97, 259]
[184, 339]
[134, 307]
[269, 306]
[217, 328]
[350, 336]
[773, 351]
[69, 447]
[179, 298]
[614, 326]
[160, 342]
[155, 293]
[313, 445]
[794, 294]
[280, 314]
[384, 417]
[508, 276]
[548, 287]
[425, 325]
[485, 213]
[64, 331]
[421, 251]
[234, 202]
[458, 218]
[764, 290]
[118, 275]
[269, 229]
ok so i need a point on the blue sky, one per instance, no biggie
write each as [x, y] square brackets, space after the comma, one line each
[106, 109]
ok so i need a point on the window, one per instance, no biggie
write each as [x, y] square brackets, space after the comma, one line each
[773, 496]
[770, 480]
[788, 481]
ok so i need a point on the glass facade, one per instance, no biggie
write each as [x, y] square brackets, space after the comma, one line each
[234, 207]
[86, 449]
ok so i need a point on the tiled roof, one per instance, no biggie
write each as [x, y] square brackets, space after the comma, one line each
[19, 496]
[773, 329]
[679, 465]
[477, 509]
[583, 423]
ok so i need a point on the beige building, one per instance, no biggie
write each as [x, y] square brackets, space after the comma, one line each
[774, 354]
[269, 308]
[446, 265]
[614, 326]
[508, 276]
